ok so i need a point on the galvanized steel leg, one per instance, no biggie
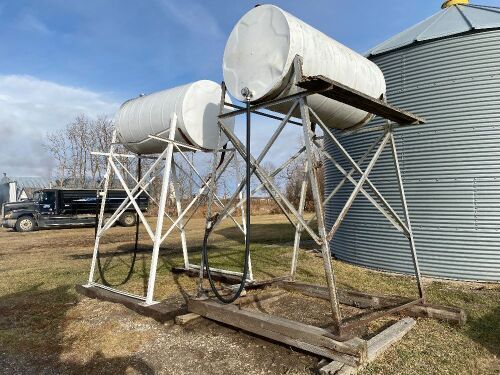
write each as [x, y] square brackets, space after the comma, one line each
[244, 223]
[318, 205]
[407, 216]
[178, 200]
[362, 180]
[298, 228]
[161, 210]
[101, 212]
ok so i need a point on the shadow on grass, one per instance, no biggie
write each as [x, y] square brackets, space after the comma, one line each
[32, 324]
[264, 233]
[486, 330]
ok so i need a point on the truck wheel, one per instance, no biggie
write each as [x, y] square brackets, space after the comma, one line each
[25, 224]
[127, 219]
[106, 218]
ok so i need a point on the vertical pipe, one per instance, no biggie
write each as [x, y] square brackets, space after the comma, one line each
[318, 205]
[101, 213]
[178, 199]
[248, 231]
[298, 228]
[407, 216]
[244, 225]
[161, 210]
[139, 172]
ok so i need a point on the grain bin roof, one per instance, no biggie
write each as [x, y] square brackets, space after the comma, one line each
[27, 182]
[456, 19]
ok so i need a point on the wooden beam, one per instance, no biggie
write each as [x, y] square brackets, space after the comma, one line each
[379, 343]
[376, 346]
[164, 311]
[186, 318]
[449, 314]
[270, 296]
[303, 336]
[344, 94]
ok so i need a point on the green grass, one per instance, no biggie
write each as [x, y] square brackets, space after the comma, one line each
[41, 315]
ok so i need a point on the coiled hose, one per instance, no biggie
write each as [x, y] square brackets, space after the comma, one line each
[213, 221]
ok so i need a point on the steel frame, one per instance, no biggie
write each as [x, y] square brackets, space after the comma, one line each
[169, 173]
[342, 328]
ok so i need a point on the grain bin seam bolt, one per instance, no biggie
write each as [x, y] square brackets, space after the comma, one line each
[247, 93]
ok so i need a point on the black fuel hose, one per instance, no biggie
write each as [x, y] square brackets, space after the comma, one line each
[213, 221]
[136, 242]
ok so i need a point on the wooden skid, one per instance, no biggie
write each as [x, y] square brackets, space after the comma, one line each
[389, 336]
[260, 297]
[303, 336]
[453, 315]
[337, 91]
[185, 319]
[376, 346]
[162, 312]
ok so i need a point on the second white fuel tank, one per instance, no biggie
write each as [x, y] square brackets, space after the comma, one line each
[196, 106]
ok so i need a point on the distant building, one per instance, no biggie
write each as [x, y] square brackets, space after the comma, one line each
[14, 189]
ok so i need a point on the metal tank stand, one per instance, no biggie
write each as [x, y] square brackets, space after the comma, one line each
[162, 166]
[343, 341]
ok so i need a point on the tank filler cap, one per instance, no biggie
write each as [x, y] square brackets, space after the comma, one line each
[449, 3]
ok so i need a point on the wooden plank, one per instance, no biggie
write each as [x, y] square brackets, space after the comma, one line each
[313, 339]
[260, 284]
[379, 343]
[162, 312]
[268, 297]
[346, 297]
[344, 94]
[449, 314]
[186, 318]
[364, 318]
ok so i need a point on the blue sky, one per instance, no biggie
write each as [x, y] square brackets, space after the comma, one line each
[60, 58]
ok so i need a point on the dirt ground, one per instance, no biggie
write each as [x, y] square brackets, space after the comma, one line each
[47, 328]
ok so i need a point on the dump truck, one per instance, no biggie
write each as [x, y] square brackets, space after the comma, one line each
[59, 208]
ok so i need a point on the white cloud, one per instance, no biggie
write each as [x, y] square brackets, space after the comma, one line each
[194, 17]
[30, 108]
[29, 22]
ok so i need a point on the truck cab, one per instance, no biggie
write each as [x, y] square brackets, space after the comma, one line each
[65, 208]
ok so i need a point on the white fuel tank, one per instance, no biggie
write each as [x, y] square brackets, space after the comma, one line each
[196, 106]
[259, 55]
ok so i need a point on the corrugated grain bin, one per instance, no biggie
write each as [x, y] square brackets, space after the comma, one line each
[446, 69]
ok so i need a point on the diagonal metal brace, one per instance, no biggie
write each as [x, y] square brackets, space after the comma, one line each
[269, 185]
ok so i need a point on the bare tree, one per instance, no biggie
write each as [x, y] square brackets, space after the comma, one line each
[57, 145]
[72, 147]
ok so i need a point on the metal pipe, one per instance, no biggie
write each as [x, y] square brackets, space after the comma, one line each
[328, 133]
[161, 211]
[139, 172]
[274, 117]
[101, 213]
[358, 187]
[318, 205]
[407, 217]
[271, 188]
